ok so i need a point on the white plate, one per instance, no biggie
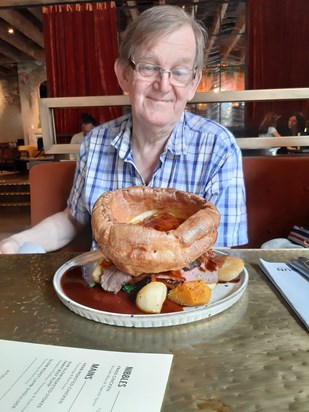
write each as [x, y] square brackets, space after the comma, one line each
[223, 296]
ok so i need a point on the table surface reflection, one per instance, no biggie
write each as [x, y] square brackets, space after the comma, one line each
[252, 357]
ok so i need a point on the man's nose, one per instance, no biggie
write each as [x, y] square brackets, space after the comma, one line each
[163, 80]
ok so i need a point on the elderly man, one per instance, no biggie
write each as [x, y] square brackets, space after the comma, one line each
[159, 144]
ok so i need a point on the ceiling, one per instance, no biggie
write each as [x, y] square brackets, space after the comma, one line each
[224, 19]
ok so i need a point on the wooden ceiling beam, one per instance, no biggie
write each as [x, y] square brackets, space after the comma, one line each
[4, 60]
[239, 28]
[22, 44]
[37, 13]
[6, 71]
[13, 54]
[233, 44]
[23, 25]
[133, 9]
[215, 29]
[26, 3]
[194, 7]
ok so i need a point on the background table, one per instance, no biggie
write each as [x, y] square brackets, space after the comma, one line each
[252, 357]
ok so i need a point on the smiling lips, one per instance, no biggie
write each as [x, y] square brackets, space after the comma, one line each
[159, 100]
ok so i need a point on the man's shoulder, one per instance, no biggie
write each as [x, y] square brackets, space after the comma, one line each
[202, 124]
[111, 128]
[116, 123]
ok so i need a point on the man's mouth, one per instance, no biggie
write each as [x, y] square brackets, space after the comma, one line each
[159, 99]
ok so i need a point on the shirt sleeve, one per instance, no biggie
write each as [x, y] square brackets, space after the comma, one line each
[272, 130]
[226, 190]
[77, 199]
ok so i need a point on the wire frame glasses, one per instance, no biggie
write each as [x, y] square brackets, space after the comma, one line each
[179, 76]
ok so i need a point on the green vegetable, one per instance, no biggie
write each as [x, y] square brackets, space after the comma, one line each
[129, 288]
[133, 288]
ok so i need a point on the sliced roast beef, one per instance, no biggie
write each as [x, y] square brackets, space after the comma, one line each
[200, 273]
[113, 279]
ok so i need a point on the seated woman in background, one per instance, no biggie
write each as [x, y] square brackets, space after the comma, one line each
[296, 124]
[268, 128]
[294, 127]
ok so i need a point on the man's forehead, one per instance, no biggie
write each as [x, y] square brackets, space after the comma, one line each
[153, 50]
[184, 34]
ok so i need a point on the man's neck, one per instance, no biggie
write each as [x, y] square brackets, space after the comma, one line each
[146, 154]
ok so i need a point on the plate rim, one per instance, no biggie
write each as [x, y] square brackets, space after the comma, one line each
[138, 320]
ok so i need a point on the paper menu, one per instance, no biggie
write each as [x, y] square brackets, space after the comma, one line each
[292, 285]
[49, 378]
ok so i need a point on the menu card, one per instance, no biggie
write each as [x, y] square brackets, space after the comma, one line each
[291, 284]
[48, 378]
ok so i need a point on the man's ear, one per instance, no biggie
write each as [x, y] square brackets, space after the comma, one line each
[122, 72]
[194, 85]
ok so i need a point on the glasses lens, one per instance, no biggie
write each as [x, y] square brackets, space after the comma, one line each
[179, 77]
[147, 70]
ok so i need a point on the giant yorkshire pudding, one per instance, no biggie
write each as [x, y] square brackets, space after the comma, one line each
[136, 249]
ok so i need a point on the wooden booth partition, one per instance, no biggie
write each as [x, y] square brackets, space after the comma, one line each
[49, 105]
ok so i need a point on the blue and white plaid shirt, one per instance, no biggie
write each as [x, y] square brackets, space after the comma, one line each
[200, 157]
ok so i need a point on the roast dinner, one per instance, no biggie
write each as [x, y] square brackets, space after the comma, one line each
[157, 251]
[156, 248]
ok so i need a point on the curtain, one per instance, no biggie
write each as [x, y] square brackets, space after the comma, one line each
[81, 45]
[278, 33]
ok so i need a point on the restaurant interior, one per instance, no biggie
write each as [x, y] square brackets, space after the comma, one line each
[56, 63]
[242, 82]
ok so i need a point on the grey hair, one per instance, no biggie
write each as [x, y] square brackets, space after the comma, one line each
[156, 22]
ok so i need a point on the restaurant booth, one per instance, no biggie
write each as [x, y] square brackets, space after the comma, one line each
[277, 193]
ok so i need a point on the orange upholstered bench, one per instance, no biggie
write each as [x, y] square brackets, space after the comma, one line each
[277, 191]
[277, 195]
[50, 186]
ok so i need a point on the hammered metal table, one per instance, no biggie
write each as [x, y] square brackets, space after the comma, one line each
[252, 357]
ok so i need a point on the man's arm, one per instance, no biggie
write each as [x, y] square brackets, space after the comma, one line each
[51, 233]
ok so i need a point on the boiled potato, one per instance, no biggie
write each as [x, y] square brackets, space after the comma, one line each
[231, 268]
[151, 297]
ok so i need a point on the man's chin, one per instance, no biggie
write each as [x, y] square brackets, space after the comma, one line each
[161, 118]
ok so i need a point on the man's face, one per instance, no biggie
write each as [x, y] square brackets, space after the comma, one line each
[157, 102]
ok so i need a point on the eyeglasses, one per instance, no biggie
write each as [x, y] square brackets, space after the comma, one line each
[177, 77]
